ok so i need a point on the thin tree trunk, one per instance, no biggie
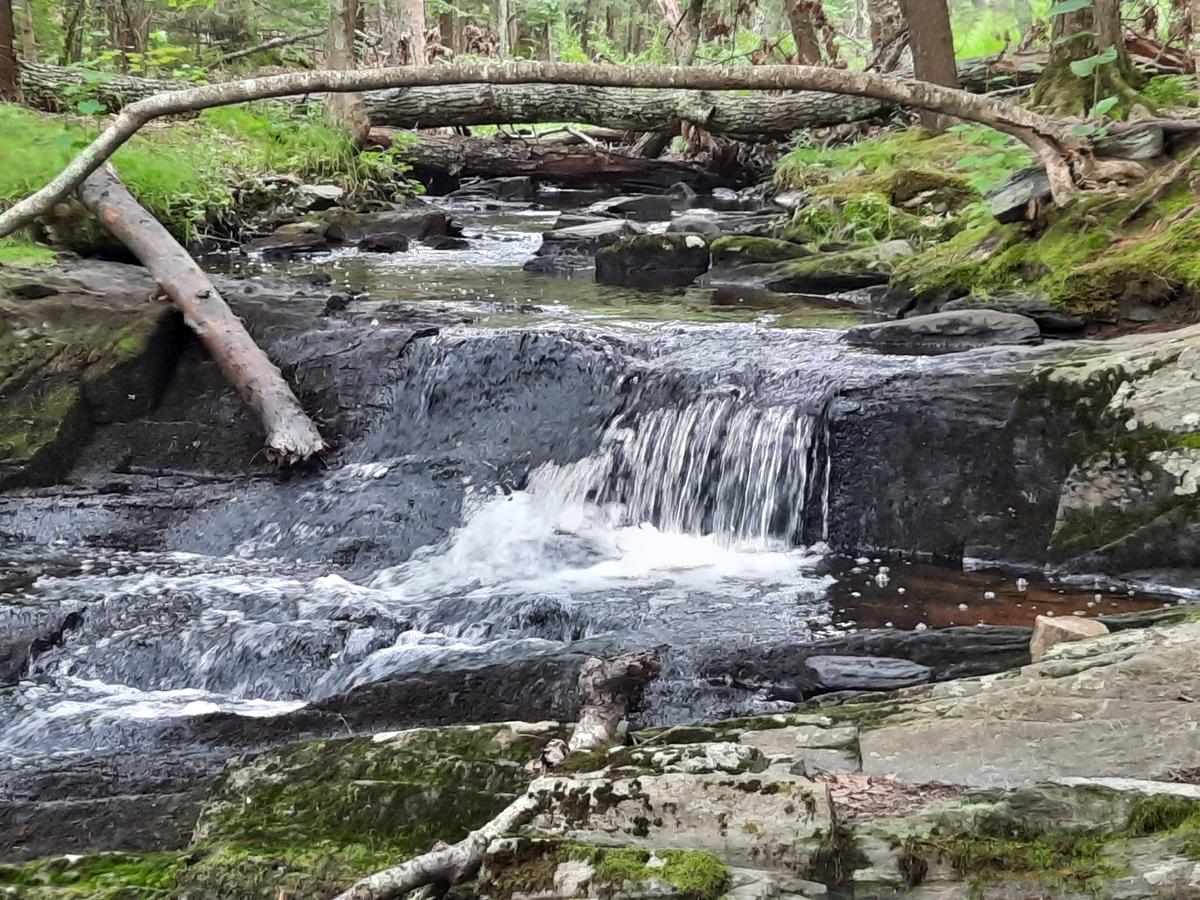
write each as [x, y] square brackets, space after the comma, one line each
[345, 109]
[28, 36]
[10, 78]
[72, 32]
[804, 32]
[1081, 34]
[291, 436]
[1050, 138]
[889, 35]
[932, 45]
[1194, 34]
[502, 24]
[403, 23]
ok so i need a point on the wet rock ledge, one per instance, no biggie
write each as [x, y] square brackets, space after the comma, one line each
[1075, 776]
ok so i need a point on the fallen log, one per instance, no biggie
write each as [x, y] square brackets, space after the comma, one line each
[438, 157]
[607, 687]
[291, 436]
[623, 109]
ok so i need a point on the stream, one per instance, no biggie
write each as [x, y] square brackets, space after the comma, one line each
[571, 468]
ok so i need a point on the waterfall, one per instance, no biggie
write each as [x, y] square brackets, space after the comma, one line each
[713, 466]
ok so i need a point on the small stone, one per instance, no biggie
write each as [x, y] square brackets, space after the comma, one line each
[962, 607]
[989, 595]
[920, 626]
[1022, 584]
[1047, 633]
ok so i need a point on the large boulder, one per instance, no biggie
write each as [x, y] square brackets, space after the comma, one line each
[946, 332]
[571, 250]
[653, 261]
[1051, 319]
[416, 224]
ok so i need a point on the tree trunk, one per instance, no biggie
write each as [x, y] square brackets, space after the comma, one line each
[446, 158]
[932, 45]
[291, 436]
[403, 24]
[889, 35]
[1081, 35]
[345, 109]
[683, 28]
[73, 32]
[502, 28]
[1050, 139]
[28, 36]
[804, 32]
[10, 78]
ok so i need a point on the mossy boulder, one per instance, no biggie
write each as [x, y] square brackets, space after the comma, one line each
[839, 271]
[78, 347]
[653, 261]
[906, 188]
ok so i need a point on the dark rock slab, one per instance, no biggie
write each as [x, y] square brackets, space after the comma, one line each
[384, 243]
[653, 261]
[571, 250]
[636, 207]
[1051, 319]
[353, 228]
[946, 332]
[514, 189]
[1141, 142]
[1009, 200]
[290, 244]
[825, 674]
[844, 270]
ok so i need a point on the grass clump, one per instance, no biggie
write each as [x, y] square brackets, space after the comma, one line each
[196, 175]
[981, 859]
[1177, 817]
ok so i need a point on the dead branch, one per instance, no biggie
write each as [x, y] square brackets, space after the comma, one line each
[291, 435]
[1049, 137]
[606, 688]
[272, 44]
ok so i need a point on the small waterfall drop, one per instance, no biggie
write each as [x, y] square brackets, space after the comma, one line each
[715, 466]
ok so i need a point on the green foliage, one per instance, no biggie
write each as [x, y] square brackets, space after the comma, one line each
[1172, 91]
[16, 250]
[102, 875]
[695, 874]
[1084, 68]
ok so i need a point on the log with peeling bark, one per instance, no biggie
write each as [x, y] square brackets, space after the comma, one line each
[1053, 140]
[291, 436]
[625, 109]
[437, 157]
[607, 688]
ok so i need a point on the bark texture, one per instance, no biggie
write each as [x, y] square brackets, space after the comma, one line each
[28, 36]
[439, 156]
[1048, 137]
[932, 45]
[291, 436]
[403, 26]
[10, 80]
[346, 108]
[813, 35]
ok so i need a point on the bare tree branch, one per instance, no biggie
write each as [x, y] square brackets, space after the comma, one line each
[291, 436]
[272, 44]
[1044, 133]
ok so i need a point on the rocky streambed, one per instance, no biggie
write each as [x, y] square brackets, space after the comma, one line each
[528, 471]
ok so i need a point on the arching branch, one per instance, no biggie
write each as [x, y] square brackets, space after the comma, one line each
[1001, 115]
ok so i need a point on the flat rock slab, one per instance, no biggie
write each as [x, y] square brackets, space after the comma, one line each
[1051, 319]
[638, 207]
[946, 332]
[825, 674]
[1120, 706]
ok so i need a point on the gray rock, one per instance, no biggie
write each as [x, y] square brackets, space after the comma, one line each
[513, 189]
[844, 270]
[353, 228]
[318, 197]
[384, 243]
[693, 223]
[637, 207]
[680, 191]
[823, 674]
[446, 242]
[946, 332]
[1009, 200]
[285, 245]
[791, 200]
[1051, 319]
[1141, 143]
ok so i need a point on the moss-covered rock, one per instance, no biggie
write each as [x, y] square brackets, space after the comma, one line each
[732, 251]
[653, 260]
[839, 271]
[77, 347]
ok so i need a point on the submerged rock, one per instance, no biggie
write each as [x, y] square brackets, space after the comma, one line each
[653, 261]
[355, 228]
[826, 273]
[827, 674]
[946, 332]
[287, 243]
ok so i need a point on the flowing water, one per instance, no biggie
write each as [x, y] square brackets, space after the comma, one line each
[657, 483]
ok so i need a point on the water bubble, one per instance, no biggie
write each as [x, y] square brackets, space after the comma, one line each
[962, 607]
[1022, 584]
[920, 626]
[989, 595]
[882, 579]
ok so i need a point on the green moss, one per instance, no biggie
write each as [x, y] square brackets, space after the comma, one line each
[740, 250]
[21, 253]
[101, 875]
[1067, 859]
[1101, 527]
[695, 874]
